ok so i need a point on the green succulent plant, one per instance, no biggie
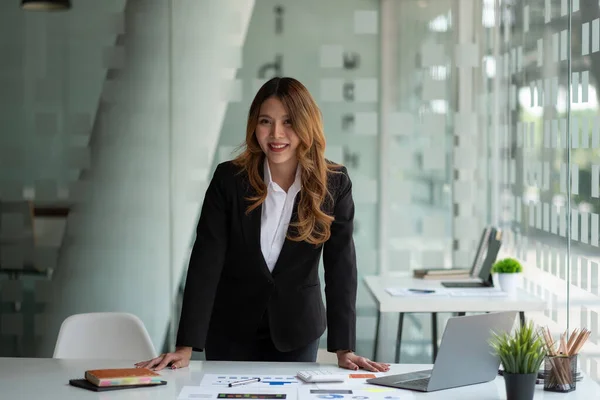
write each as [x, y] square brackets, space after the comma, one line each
[507, 266]
[521, 352]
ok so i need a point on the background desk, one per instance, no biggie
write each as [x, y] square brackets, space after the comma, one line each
[46, 378]
[387, 303]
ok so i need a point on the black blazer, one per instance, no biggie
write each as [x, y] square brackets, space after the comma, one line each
[229, 287]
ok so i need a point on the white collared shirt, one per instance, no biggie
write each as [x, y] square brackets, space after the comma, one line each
[276, 214]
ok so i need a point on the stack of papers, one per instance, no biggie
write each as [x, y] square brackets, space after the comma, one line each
[284, 387]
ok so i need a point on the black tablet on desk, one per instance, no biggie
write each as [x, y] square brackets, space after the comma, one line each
[84, 384]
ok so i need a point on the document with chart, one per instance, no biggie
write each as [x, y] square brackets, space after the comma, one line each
[223, 380]
[349, 393]
[239, 393]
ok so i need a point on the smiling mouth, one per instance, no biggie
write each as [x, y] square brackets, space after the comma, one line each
[277, 146]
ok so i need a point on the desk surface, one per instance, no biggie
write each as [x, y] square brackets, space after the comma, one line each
[30, 378]
[376, 285]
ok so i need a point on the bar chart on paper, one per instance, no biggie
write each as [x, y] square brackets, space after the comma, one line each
[273, 381]
[350, 393]
[216, 393]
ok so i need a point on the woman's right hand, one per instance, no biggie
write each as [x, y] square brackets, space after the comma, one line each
[180, 358]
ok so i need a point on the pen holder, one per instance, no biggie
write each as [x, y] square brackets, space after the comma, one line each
[560, 373]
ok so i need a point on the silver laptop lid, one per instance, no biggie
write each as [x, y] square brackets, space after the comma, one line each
[465, 356]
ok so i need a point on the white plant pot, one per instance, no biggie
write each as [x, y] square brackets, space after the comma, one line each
[509, 282]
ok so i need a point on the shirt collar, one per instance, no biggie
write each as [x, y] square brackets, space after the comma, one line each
[267, 173]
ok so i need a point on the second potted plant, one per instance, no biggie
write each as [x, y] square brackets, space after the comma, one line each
[521, 354]
[508, 271]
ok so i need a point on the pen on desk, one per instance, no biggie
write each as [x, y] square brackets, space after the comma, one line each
[422, 290]
[244, 382]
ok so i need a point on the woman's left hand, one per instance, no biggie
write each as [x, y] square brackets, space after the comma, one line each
[349, 360]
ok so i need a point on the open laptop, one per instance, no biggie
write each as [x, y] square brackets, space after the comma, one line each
[481, 270]
[465, 356]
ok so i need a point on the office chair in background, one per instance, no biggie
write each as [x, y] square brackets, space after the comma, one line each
[105, 335]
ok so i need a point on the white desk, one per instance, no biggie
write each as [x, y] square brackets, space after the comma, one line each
[386, 303]
[46, 378]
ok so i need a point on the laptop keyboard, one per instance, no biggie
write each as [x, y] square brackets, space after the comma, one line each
[464, 284]
[419, 384]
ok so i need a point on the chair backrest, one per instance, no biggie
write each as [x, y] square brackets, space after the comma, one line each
[108, 335]
[325, 357]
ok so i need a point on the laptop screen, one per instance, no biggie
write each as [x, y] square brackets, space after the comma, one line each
[486, 254]
[480, 253]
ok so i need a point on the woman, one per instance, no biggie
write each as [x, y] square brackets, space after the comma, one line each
[252, 291]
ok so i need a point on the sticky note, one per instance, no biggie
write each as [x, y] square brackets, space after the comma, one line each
[362, 376]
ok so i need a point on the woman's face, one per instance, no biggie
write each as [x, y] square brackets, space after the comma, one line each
[275, 133]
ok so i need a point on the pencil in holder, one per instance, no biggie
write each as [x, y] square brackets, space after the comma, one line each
[560, 373]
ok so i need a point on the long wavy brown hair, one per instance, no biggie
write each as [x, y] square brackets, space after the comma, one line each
[313, 225]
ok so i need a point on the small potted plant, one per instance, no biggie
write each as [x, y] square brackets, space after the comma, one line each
[521, 354]
[508, 271]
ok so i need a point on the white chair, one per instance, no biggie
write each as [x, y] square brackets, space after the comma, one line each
[324, 357]
[105, 335]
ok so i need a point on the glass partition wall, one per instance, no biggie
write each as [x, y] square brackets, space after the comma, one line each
[544, 122]
[84, 168]
[516, 141]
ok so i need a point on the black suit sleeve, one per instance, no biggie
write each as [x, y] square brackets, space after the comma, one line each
[339, 260]
[206, 264]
